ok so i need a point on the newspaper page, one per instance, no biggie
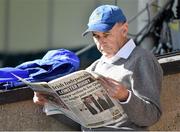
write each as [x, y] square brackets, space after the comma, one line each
[85, 97]
[54, 103]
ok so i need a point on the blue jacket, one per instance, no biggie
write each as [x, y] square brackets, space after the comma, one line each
[54, 64]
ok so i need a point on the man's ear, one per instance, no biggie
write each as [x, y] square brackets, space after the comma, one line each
[125, 29]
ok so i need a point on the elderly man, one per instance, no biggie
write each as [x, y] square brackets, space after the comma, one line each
[133, 75]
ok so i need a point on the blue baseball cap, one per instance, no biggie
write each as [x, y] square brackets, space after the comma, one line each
[104, 17]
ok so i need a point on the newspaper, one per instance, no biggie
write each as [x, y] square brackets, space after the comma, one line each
[80, 97]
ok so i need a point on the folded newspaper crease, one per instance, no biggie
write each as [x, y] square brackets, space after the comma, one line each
[51, 109]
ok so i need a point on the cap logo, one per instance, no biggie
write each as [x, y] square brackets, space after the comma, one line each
[95, 18]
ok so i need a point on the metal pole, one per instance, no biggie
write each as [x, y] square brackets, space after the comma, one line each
[83, 50]
[178, 9]
[50, 20]
[6, 26]
[115, 2]
[6, 31]
[139, 13]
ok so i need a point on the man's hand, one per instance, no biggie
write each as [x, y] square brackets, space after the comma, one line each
[39, 99]
[114, 88]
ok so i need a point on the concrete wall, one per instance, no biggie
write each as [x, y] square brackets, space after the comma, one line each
[27, 116]
[170, 101]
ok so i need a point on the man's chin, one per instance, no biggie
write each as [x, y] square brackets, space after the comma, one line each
[107, 55]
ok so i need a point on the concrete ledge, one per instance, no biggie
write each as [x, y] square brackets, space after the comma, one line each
[26, 116]
[15, 95]
[170, 64]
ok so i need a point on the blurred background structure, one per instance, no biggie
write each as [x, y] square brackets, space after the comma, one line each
[29, 28]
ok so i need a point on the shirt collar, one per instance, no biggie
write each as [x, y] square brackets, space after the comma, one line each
[124, 52]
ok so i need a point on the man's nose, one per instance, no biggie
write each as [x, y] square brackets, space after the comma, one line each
[102, 41]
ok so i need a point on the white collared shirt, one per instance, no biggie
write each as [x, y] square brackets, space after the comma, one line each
[124, 52]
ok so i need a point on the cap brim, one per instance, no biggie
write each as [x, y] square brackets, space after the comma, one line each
[86, 32]
[98, 28]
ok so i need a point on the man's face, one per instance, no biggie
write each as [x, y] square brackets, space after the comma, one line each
[108, 43]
